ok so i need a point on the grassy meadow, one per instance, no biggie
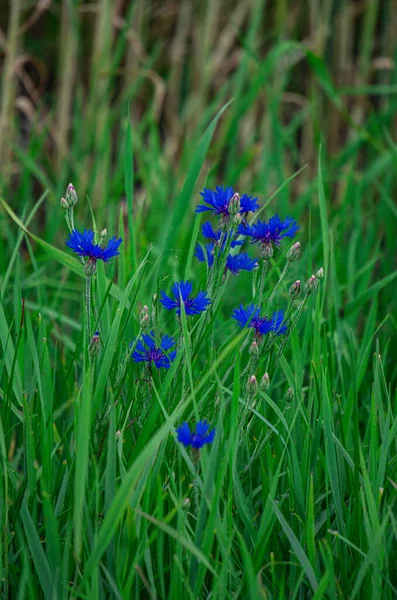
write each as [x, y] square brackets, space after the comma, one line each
[142, 104]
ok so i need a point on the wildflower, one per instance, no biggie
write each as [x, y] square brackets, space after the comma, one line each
[215, 236]
[265, 382]
[181, 292]
[311, 285]
[269, 234]
[198, 438]
[240, 262]
[293, 252]
[219, 202]
[235, 263]
[147, 351]
[250, 317]
[295, 289]
[83, 245]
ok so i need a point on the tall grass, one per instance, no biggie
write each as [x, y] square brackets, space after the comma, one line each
[141, 107]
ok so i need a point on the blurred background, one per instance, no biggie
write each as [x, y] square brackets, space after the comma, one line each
[79, 78]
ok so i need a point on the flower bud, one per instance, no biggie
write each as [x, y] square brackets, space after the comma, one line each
[295, 289]
[293, 252]
[266, 251]
[311, 285]
[103, 238]
[64, 204]
[186, 504]
[265, 382]
[238, 219]
[289, 395]
[95, 344]
[252, 386]
[71, 196]
[254, 349]
[320, 274]
[234, 205]
[144, 318]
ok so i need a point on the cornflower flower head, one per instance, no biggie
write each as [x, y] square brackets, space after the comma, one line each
[182, 294]
[147, 351]
[234, 263]
[215, 236]
[218, 201]
[197, 439]
[83, 245]
[269, 233]
[251, 317]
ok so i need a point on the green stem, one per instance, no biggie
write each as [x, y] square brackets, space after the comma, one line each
[265, 264]
[88, 307]
[283, 274]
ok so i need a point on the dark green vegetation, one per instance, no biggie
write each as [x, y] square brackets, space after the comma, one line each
[92, 496]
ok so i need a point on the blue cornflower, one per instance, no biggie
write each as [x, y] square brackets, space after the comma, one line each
[235, 263]
[250, 317]
[271, 232]
[240, 262]
[147, 351]
[193, 306]
[215, 236]
[218, 201]
[83, 245]
[198, 438]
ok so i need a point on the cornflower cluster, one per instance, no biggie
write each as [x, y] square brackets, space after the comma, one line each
[223, 255]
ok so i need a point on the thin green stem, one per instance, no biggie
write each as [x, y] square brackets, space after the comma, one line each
[283, 274]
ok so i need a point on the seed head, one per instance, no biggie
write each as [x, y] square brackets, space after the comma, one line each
[295, 289]
[293, 252]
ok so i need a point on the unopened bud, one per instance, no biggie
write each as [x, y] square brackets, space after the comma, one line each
[103, 238]
[95, 344]
[252, 386]
[238, 219]
[71, 196]
[234, 205]
[90, 267]
[289, 395]
[186, 504]
[293, 252]
[144, 318]
[254, 349]
[266, 251]
[310, 285]
[320, 274]
[295, 289]
[64, 204]
[265, 382]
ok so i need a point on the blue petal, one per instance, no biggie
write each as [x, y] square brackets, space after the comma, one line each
[184, 434]
[149, 340]
[167, 302]
[167, 342]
